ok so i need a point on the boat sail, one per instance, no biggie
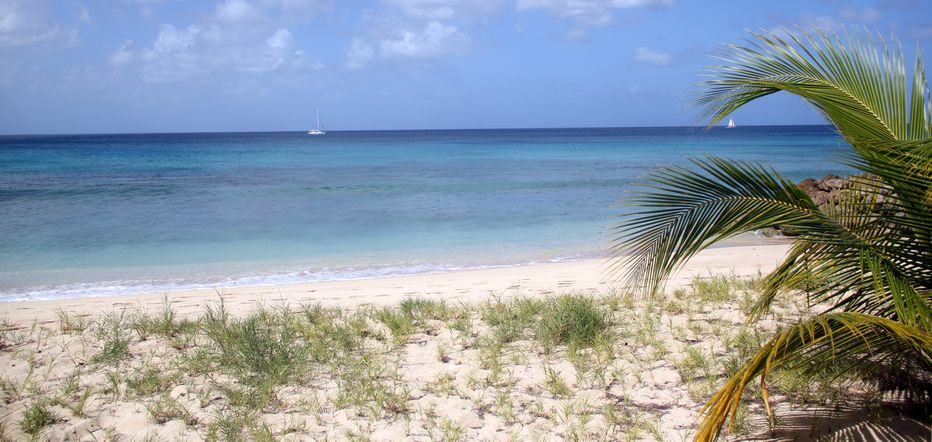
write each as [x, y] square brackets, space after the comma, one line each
[731, 123]
[318, 130]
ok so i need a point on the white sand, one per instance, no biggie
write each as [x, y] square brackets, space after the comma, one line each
[466, 286]
[640, 386]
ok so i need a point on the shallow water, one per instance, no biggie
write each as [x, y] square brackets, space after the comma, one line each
[86, 215]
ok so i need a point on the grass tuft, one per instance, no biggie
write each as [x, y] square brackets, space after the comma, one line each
[266, 347]
[112, 331]
[36, 417]
[577, 321]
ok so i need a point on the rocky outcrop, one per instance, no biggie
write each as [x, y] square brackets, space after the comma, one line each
[825, 190]
[828, 190]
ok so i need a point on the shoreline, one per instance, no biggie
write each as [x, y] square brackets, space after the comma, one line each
[587, 275]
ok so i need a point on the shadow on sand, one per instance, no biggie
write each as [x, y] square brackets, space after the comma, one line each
[886, 424]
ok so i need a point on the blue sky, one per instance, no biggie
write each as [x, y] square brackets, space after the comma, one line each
[73, 66]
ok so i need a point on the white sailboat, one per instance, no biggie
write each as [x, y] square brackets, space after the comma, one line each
[731, 123]
[318, 130]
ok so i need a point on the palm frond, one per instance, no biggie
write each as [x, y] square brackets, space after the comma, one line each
[866, 257]
[856, 80]
[683, 211]
[880, 266]
[841, 340]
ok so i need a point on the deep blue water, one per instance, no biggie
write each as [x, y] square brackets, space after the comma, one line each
[107, 214]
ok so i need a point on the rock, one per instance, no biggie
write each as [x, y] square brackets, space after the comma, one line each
[828, 190]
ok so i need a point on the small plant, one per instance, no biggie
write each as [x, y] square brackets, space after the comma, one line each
[69, 398]
[150, 382]
[167, 409]
[555, 384]
[423, 309]
[443, 384]
[694, 364]
[399, 323]
[445, 430]
[229, 426]
[577, 321]
[265, 348]
[36, 417]
[72, 323]
[80, 402]
[510, 319]
[114, 383]
[165, 323]
[504, 408]
[443, 353]
[365, 383]
[112, 331]
[715, 289]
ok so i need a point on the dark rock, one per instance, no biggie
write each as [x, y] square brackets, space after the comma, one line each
[830, 189]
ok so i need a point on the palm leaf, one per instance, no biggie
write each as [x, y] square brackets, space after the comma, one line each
[828, 340]
[867, 256]
[684, 211]
[856, 81]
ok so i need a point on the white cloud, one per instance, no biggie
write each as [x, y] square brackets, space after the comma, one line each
[655, 57]
[434, 40]
[172, 56]
[183, 53]
[24, 23]
[359, 54]
[577, 34]
[145, 6]
[83, 14]
[445, 9]
[123, 55]
[866, 15]
[237, 12]
[173, 40]
[234, 40]
[282, 39]
[588, 12]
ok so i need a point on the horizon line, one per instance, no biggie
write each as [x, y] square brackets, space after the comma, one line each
[404, 130]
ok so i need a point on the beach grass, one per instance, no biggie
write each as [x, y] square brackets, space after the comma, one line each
[582, 366]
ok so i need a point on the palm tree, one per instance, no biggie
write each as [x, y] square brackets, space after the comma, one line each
[867, 256]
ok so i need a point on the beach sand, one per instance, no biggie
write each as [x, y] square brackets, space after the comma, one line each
[466, 368]
[461, 286]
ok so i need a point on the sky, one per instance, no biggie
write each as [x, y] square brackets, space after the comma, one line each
[113, 66]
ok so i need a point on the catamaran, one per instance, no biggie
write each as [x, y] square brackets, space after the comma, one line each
[317, 131]
[731, 123]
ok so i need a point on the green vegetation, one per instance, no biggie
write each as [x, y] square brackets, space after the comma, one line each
[112, 331]
[865, 258]
[264, 348]
[577, 321]
[581, 362]
[36, 418]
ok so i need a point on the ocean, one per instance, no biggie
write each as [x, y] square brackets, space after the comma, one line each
[97, 215]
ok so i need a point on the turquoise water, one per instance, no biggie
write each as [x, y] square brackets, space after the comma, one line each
[90, 215]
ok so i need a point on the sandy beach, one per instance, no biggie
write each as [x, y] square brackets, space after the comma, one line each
[541, 352]
[463, 286]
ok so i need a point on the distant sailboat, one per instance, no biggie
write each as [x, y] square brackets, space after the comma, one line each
[731, 123]
[317, 131]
